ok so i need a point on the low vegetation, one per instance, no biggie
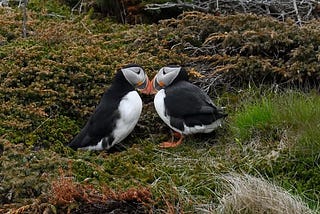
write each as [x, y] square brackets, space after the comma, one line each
[280, 126]
[255, 195]
[265, 72]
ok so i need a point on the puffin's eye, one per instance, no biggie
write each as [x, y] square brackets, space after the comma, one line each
[139, 71]
[164, 72]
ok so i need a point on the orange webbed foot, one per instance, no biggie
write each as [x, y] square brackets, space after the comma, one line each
[172, 144]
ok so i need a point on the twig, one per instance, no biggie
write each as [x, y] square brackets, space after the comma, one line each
[310, 9]
[43, 122]
[55, 15]
[24, 22]
[77, 5]
[85, 27]
[297, 12]
[176, 5]
[123, 14]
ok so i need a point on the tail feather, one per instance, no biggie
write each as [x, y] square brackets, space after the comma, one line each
[73, 144]
[220, 114]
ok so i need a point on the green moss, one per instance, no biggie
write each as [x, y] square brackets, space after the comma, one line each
[52, 133]
[55, 8]
[53, 79]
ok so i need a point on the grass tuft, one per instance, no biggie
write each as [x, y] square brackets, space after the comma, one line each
[255, 115]
[296, 112]
[279, 137]
[249, 194]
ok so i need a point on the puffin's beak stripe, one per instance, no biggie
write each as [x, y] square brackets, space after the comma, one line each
[139, 83]
[151, 89]
[161, 84]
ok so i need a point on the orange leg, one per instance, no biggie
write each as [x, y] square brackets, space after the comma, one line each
[171, 144]
[176, 134]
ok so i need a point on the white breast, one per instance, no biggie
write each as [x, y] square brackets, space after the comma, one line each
[130, 108]
[160, 108]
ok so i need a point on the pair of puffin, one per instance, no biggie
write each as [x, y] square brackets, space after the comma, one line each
[184, 107]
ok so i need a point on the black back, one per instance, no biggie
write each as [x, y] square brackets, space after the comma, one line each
[187, 103]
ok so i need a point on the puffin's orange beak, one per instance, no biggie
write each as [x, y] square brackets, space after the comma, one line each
[147, 88]
[152, 90]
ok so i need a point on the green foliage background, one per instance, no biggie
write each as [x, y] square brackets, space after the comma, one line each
[52, 80]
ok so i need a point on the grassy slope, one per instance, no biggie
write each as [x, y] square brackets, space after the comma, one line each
[47, 93]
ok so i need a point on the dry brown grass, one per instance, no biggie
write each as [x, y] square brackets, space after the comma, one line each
[249, 194]
[69, 196]
[66, 191]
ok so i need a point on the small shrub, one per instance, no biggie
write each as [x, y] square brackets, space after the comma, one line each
[242, 49]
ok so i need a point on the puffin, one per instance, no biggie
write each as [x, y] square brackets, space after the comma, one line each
[183, 106]
[117, 113]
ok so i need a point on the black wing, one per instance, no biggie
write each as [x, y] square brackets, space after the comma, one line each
[100, 124]
[187, 103]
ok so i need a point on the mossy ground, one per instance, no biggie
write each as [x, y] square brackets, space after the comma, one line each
[51, 81]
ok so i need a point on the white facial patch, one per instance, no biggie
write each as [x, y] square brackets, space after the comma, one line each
[167, 74]
[134, 75]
